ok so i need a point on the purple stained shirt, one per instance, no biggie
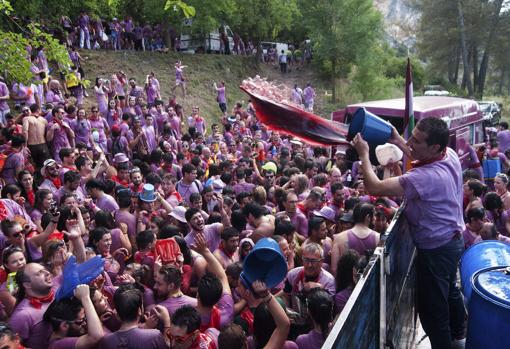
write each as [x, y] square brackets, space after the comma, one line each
[4, 91]
[27, 322]
[311, 340]
[504, 140]
[54, 97]
[152, 92]
[13, 162]
[127, 218]
[100, 125]
[308, 94]
[134, 338]
[186, 190]
[60, 140]
[128, 26]
[150, 136]
[178, 74]
[221, 95]
[174, 303]
[361, 245]
[434, 197]
[341, 299]
[107, 203]
[226, 308]
[300, 222]
[175, 122]
[83, 21]
[325, 279]
[211, 233]
[137, 91]
[116, 242]
[469, 237]
[14, 209]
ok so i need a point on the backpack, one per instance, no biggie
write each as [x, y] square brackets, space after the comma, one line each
[116, 147]
[196, 182]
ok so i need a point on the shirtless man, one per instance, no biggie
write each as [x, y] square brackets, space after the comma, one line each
[34, 128]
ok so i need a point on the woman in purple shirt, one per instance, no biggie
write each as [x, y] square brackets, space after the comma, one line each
[97, 123]
[114, 113]
[320, 309]
[54, 95]
[81, 127]
[101, 92]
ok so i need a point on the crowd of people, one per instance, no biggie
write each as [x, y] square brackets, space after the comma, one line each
[174, 206]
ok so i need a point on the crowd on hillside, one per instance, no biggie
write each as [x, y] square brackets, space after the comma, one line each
[174, 205]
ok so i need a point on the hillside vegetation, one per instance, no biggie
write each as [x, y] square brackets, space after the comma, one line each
[200, 73]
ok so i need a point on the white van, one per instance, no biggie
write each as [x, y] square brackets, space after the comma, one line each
[279, 46]
[192, 42]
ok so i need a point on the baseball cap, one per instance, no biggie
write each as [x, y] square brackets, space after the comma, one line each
[270, 166]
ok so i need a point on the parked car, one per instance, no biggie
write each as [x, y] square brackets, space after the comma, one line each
[491, 112]
[436, 93]
[191, 41]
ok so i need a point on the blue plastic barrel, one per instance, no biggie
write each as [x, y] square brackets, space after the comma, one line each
[373, 129]
[480, 256]
[266, 263]
[489, 310]
[491, 167]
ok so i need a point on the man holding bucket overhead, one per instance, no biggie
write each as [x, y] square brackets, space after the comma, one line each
[433, 193]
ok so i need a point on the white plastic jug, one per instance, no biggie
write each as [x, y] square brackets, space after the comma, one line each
[387, 153]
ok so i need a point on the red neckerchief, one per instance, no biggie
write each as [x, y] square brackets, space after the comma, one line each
[418, 163]
[177, 195]
[301, 280]
[115, 115]
[137, 189]
[3, 211]
[31, 197]
[121, 182]
[203, 341]
[228, 254]
[301, 207]
[214, 321]
[57, 121]
[247, 315]
[56, 181]
[37, 302]
[71, 168]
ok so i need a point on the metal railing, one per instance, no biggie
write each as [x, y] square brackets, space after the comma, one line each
[380, 312]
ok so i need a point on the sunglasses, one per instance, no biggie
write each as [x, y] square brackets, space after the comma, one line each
[181, 339]
[311, 261]
[56, 246]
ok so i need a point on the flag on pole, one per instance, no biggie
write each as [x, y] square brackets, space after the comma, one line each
[409, 112]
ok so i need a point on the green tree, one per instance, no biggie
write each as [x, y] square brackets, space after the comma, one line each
[205, 15]
[13, 48]
[342, 32]
[264, 19]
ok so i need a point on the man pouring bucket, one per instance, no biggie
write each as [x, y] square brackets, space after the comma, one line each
[433, 192]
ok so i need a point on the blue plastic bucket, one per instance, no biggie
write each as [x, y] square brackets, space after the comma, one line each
[373, 129]
[489, 310]
[480, 256]
[266, 263]
[491, 167]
